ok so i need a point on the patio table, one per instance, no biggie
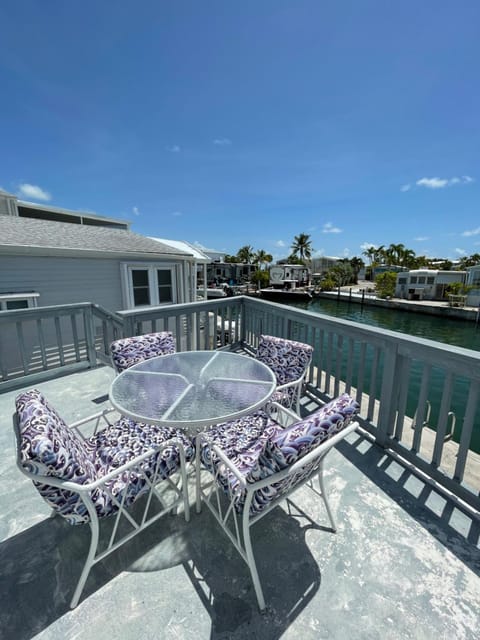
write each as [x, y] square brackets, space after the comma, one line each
[192, 390]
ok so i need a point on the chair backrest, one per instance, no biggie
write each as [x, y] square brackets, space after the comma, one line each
[288, 359]
[47, 447]
[280, 448]
[129, 351]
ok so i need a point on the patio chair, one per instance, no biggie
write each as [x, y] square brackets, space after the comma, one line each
[289, 360]
[87, 479]
[256, 462]
[129, 351]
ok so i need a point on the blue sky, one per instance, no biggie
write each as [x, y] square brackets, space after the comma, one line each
[232, 123]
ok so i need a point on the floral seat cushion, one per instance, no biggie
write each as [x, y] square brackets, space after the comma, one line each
[129, 351]
[242, 441]
[278, 448]
[50, 448]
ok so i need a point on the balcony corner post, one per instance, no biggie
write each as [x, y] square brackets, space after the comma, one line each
[388, 395]
[90, 336]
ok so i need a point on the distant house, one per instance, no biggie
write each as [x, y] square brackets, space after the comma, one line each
[52, 256]
[426, 284]
[289, 276]
[473, 280]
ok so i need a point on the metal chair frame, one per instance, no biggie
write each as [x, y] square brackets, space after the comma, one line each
[296, 384]
[138, 522]
[237, 525]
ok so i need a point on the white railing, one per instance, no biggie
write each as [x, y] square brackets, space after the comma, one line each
[413, 392]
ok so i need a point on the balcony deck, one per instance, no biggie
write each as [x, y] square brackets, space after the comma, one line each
[405, 562]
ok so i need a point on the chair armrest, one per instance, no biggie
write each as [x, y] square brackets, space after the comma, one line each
[292, 383]
[86, 488]
[203, 439]
[98, 417]
[283, 416]
[318, 452]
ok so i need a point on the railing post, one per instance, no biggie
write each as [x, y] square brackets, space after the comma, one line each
[90, 336]
[243, 322]
[388, 395]
[128, 326]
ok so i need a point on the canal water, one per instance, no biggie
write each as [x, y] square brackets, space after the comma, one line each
[461, 333]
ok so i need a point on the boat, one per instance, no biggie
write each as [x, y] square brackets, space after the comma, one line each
[286, 295]
[222, 290]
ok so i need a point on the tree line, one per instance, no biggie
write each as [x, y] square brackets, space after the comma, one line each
[346, 270]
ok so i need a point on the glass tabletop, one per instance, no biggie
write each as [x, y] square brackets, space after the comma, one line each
[192, 389]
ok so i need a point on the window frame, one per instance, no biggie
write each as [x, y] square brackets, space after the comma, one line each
[30, 298]
[153, 285]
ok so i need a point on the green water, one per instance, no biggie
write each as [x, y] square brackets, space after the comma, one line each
[461, 333]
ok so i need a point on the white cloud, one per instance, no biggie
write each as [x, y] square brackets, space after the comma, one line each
[461, 252]
[421, 238]
[222, 141]
[32, 191]
[329, 228]
[432, 183]
[441, 183]
[176, 213]
[473, 232]
[346, 252]
[368, 245]
[135, 211]
[280, 243]
[406, 187]
[175, 148]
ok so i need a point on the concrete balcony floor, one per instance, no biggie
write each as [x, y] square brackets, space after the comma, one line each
[404, 563]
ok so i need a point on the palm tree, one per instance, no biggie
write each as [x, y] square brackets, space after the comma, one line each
[302, 246]
[370, 253]
[356, 264]
[262, 258]
[394, 253]
[245, 254]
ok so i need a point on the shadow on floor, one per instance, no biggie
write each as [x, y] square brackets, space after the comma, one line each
[443, 516]
[289, 574]
[41, 566]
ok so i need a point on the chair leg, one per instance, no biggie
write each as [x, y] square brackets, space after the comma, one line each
[251, 561]
[198, 496]
[325, 499]
[89, 562]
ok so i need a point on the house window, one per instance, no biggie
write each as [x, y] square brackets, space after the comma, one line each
[11, 301]
[402, 281]
[140, 287]
[421, 280]
[413, 280]
[430, 280]
[150, 285]
[165, 286]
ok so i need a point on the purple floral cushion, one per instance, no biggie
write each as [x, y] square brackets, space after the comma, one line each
[269, 448]
[288, 359]
[129, 351]
[297, 440]
[242, 441]
[48, 447]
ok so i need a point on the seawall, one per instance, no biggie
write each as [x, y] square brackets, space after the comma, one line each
[430, 307]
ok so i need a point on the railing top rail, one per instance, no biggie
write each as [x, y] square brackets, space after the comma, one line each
[179, 309]
[61, 309]
[413, 346]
